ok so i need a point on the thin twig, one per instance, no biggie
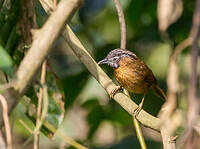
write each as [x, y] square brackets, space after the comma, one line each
[26, 126]
[122, 23]
[63, 137]
[39, 108]
[58, 133]
[123, 46]
[43, 114]
[137, 128]
[173, 77]
[139, 133]
[28, 141]
[6, 121]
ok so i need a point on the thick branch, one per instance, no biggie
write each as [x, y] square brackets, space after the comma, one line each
[43, 40]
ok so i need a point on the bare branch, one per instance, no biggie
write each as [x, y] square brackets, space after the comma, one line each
[6, 121]
[172, 80]
[145, 118]
[58, 133]
[39, 108]
[193, 104]
[122, 23]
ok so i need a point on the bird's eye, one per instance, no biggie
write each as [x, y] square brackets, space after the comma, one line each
[114, 59]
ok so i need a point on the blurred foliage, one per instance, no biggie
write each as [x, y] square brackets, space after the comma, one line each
[70, 84]
[6, 61]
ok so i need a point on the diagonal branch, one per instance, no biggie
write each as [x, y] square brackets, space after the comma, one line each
[145, 118]
[43, 40]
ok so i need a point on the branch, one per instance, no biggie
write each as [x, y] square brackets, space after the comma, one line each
[168, 143]
[43, 40]
[6, 121]
[139, 133]
[193, 101]
[145, 118]
[63, 137]
[66, 139]
[173, 81]
[193, 104]
[41, 100]
[122, 23]
[123, 46]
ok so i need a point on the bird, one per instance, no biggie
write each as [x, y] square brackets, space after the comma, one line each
[132, 74]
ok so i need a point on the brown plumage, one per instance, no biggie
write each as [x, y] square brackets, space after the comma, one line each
[132, 73]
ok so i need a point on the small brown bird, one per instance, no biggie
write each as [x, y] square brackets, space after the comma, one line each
[132, 73]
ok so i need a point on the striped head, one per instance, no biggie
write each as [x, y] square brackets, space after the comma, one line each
[113, 58]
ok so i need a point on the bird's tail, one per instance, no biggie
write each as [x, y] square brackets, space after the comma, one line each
[159, 91]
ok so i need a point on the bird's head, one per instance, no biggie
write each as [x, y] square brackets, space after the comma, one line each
[113, 58]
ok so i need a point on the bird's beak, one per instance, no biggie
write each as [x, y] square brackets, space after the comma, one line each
[104, 61]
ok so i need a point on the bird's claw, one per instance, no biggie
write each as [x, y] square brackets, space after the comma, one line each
[113, 92]
[138, 109]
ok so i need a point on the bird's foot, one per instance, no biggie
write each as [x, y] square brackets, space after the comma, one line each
[137, 111]
[139, 108]
[113, 92]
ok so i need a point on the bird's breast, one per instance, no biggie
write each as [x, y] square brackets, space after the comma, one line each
[131, 77]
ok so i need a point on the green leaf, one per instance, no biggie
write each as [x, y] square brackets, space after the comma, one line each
[54, 115]
[5, 61]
